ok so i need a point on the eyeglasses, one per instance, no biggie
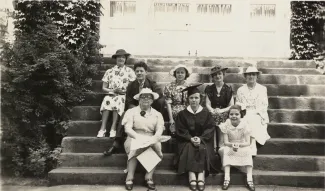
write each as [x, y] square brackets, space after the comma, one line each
[146, 96]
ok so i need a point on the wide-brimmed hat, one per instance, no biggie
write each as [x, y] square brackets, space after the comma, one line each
[252, 69]
[189, 71]
[217, 69]
[120, 52]
[146, 91]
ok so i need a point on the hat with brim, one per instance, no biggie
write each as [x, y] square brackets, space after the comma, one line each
[192, 89]
[252, 69]
[146, 91]
[171, 72]
[217, 69]
[120, 52]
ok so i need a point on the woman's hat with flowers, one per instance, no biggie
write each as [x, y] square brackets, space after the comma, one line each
[146, 91]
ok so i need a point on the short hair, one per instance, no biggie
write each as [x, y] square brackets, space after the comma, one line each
[140, 64]
[238, 107]
[257, 74]
[186, 75]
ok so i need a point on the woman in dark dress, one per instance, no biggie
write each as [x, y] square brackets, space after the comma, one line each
[218, 100]
[194, 133]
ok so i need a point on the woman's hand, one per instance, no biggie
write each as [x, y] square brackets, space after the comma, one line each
[196, 141]
[172, 126]
[235, 146]
[119, 91]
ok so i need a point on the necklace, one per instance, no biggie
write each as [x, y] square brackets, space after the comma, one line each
[219, 89]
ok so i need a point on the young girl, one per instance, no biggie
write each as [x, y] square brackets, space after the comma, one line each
[236, 150]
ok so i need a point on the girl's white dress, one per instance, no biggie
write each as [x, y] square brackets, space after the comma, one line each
[243, 156]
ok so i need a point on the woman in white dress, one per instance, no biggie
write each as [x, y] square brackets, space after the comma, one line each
[253, 97]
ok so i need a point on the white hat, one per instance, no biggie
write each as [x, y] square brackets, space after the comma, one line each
[171, 72]
[146, 91]
[252, 69]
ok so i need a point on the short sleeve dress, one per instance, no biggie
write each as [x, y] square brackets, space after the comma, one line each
[116, 77]
[174, 95]
[241, 157]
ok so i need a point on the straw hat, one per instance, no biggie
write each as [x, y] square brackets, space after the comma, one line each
[146, 91]
[121, 52]
[252, 69]
[171, 72]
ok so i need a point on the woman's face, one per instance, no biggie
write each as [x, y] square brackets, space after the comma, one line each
[120, 61]
[180, 74]
[234, 116]
[251, 77]
[194, 100]
[145, 100]
[141, 73]
[217, 77]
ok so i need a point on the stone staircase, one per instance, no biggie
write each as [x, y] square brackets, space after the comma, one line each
[293, 157]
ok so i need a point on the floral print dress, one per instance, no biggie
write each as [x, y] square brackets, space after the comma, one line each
[116, 77]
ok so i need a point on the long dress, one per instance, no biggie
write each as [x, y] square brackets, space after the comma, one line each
[219, 100]
[174, 96]
[189, 157]
[146, 125]
[256, 102]
[116, 77]
[243, 156]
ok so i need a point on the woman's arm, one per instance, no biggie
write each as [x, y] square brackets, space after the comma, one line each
[231, 102]
[160, 126]
[247, 141]
[209, 126]
[168, 101]
[208, 104]
[128, 124]
[106, 89]
[181, 128]
[226, 140]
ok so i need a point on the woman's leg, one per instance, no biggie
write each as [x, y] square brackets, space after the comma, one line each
[249, 173]
[132, 165]
[192, 176]
[227, 172]
[201, 177]
[105, 115]
[114, 122]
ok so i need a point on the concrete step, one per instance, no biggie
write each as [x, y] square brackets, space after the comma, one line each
[206, 62]
[206, 70]
[273, 89]
[261, 162]
[276, 130]
[276, 115]
[275, 102]
[274, 146]
[239, 78]
[116, 176]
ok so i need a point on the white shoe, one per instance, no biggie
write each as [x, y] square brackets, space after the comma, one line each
[101, 133]
[112, 133]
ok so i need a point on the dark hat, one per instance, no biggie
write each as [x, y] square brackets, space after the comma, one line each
[217, 69]
[120, 52]
[192, 89]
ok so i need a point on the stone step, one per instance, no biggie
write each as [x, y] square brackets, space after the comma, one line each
[273, 89]
[116, 176]
[239, 78]
[223, 62]
[276, 130]
[206, 70]
[275, 102]
[276, 115]
[261, 162]
[274, 146]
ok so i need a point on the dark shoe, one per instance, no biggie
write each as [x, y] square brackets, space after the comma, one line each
[129, 186]
[225, 185]
[193, 186]
[201, 187]
[150, 184]
[110, 151]
[250, 185]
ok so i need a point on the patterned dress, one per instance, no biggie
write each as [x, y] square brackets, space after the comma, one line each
[116, 77]
[256, 102]
[175, 97]
[241, 157]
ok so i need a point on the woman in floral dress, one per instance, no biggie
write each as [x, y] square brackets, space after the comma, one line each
[115, 82]
[253, 97]
[219, 98]
[175, 98]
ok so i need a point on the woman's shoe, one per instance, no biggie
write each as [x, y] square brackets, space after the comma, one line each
[110, 151]
[225, 185]
[129, 186]
[193, 186]
[150, 184]
[101, 133]
[112, 134]
[200, 187]
[250, 185]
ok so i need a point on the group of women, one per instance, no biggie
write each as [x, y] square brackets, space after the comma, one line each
[210, 139]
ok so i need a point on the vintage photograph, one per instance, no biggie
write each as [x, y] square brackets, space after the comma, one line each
[162, 95]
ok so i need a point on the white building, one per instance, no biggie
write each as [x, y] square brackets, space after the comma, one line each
[214, 28]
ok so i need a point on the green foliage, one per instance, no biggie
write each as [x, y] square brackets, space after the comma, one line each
[305, 22]
[44, 76]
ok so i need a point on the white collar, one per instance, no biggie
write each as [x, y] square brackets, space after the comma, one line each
[197, 111]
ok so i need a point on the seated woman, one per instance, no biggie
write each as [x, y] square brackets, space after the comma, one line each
[194, 133]
[142, 122]
[252, 96]
[115, 82]
[219, 98]
[176, 101]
